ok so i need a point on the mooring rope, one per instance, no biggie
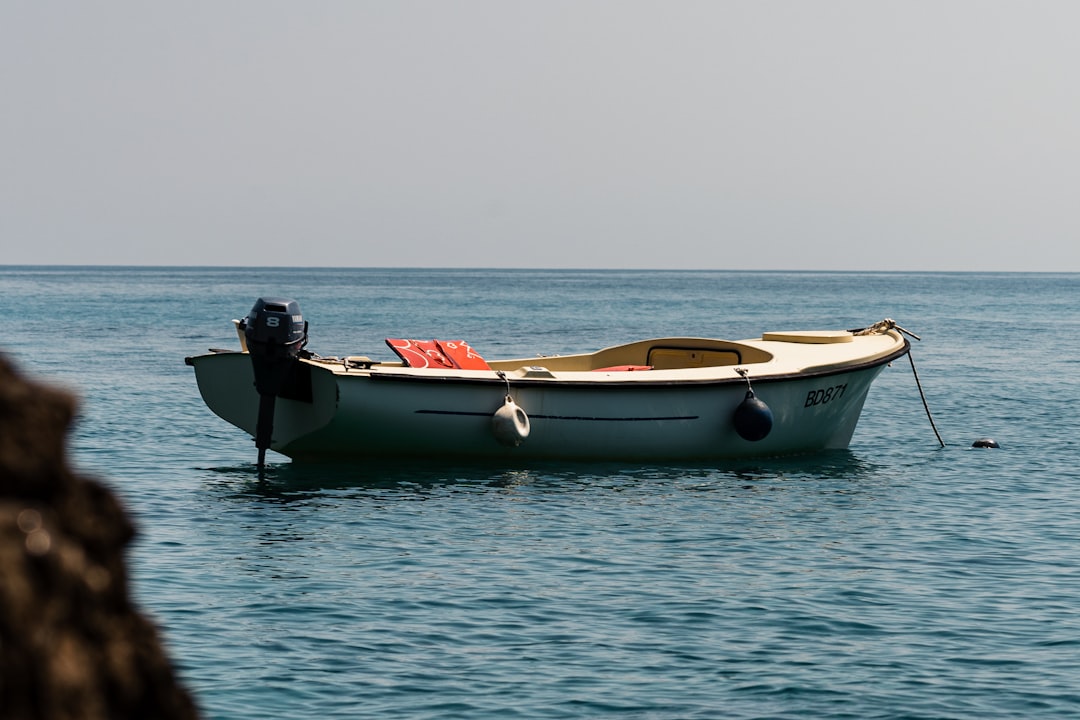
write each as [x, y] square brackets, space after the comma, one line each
[923, 396]
[890, 324]
[883, 327]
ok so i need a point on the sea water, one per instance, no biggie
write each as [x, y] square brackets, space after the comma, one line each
[897, 579]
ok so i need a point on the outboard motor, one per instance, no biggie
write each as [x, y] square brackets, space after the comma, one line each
[275, 332]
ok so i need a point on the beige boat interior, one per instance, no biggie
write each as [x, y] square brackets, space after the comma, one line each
[663, 354]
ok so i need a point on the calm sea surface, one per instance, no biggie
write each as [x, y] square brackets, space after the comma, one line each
[898, 579]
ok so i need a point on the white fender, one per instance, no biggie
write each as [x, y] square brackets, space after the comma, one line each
[510, 424]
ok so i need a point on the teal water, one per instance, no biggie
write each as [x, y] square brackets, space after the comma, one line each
[897, 579]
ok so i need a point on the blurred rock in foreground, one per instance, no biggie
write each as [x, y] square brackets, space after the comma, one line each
[72, 643]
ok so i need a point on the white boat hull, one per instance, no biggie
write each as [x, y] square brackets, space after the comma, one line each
[381, 409]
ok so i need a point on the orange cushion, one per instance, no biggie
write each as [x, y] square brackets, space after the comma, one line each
[419, 353]
[463, 356]
[447, 354]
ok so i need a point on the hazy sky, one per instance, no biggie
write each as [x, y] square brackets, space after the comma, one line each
[861, 135]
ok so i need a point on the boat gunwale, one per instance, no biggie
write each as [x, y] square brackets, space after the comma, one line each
[640, 378]
[639, 381]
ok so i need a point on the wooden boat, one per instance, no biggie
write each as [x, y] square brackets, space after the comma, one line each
[671, 398]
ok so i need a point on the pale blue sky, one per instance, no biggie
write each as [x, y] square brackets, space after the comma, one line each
[855, 135]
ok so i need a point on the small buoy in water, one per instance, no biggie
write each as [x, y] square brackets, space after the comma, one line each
[510, 424]
[985, 443]
[753, 418]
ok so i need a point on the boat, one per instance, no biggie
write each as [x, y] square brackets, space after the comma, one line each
[668, 398]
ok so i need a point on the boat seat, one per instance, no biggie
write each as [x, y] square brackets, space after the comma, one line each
[623, 368]
[444, 354]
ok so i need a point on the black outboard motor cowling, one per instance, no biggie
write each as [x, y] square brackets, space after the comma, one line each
[275, 332]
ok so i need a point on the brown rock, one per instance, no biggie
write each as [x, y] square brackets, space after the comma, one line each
[72, 643]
